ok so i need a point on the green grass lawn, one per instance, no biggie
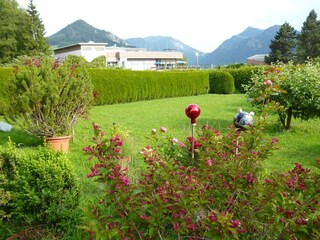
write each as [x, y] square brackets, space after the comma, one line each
[300, 144]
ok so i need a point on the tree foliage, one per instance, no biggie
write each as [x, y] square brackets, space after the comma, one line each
[293, 91]
[283, 45]
[9, 15]
[308, 45]
[21, 31]
[32, 40]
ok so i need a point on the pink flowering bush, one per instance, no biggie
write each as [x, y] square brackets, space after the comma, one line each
[224, 194]
[292, 91]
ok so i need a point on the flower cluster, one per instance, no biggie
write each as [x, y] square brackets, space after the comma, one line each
[224, 194]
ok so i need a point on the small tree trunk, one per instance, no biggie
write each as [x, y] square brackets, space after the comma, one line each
[282, 117]
[289, 117]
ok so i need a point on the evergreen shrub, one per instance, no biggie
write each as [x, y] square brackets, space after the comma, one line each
[46, 97]
[40, 189]
[118, 86]
[221, 82]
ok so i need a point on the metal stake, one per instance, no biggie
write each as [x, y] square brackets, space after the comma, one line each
[192, 143]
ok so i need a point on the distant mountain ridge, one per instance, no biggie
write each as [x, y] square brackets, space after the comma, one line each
[239, 47]
[163, 43]
[82, 32]
[234, 50]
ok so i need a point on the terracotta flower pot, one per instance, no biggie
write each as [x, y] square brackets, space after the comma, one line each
[59, 143]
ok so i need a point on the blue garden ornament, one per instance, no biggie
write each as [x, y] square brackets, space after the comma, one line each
[243, 119]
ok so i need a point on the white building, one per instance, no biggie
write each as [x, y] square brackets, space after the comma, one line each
[257, 59]
[129, 58]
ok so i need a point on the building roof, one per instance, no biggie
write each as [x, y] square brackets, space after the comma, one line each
[257, 59]
[81, 44]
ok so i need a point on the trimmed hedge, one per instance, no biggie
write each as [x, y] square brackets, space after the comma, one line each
[242, 76]
[5, 74]
[113, 86]
[221, 82]
[120, 86]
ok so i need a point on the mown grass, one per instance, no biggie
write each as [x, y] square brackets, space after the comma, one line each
[300, 144]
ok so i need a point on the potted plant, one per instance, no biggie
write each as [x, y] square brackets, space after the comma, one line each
[46, 96]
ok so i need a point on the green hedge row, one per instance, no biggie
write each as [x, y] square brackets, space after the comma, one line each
[221, 82]
[120, 86]
[5, 74]
[242, 75]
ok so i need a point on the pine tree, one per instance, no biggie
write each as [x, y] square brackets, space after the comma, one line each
[32, 40]
[9, 13]
[283, 45]
[308, 45]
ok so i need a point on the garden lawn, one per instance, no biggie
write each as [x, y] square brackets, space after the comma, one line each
[300, 144]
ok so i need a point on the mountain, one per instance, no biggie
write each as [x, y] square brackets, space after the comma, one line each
[239, 47]
[163, 43]
[234, 50]
[82, 32]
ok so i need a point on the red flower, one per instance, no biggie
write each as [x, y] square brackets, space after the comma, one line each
[192, 226]
[212, 218]
[301, 221]
[176, 226]
[235, 223]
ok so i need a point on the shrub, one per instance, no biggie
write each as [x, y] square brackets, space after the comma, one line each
[47, 97]
[292, 91]
[42, 187]
[221, 82]
[224, 194]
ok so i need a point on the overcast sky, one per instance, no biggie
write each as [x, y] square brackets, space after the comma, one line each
[201, 24]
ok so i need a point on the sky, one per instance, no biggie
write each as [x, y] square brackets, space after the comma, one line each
[200, 24]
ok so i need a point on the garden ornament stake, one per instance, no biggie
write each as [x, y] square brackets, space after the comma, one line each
[192, 111]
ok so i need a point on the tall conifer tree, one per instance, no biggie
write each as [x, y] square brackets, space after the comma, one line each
[9, 13]
[283, 44]
[308, 45]
[33, 32]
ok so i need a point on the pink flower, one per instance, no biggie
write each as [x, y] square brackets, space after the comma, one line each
[163, 129]
[192, 226]
[87, 149]
[267, 82]
[301, 221]
[267, 180]
[174, 140]
[176, 226]
[210, 162]
[212, 218]
[182, 145]
[235, 223]
[125, 181]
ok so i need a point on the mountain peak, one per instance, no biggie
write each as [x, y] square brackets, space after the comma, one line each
[250, 32]
[81, 31]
